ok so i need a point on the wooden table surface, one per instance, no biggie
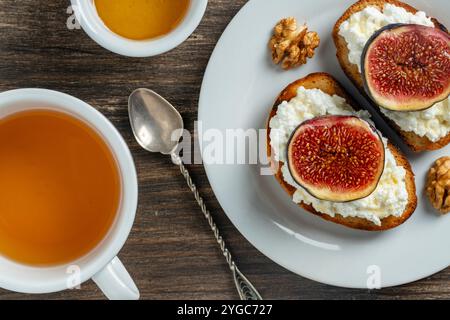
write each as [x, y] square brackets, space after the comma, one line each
[171, 252]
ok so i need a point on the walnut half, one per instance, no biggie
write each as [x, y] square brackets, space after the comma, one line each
[292, 45]
[438, 185]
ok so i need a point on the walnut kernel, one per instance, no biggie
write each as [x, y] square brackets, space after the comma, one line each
[292, 45]
[438, 185]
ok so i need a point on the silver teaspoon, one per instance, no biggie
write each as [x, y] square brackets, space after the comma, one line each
[154, 121]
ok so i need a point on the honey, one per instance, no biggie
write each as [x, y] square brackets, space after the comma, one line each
[142, 19]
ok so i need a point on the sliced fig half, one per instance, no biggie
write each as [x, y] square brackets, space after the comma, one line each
[336, 158]
[406, 67]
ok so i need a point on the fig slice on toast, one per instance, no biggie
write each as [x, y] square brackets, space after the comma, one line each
[406, 67]
[336, 158]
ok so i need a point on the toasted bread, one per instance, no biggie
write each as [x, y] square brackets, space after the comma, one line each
[415, 142]
[329, 85]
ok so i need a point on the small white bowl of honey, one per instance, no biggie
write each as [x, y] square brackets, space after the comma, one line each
[139, 28]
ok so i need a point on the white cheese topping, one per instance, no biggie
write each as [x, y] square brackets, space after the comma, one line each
[389, 198]
[358, 29]
[433, 123]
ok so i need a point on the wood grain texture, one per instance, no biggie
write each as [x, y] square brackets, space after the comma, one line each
[171, 252]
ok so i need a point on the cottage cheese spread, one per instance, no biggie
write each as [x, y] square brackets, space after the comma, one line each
[358, 29]
[433, 123]
[389, 198]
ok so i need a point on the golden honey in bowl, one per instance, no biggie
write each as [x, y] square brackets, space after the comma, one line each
[60, 188]
[142, 19]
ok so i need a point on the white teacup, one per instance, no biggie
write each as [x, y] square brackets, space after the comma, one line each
[93, 25]
[101, 264]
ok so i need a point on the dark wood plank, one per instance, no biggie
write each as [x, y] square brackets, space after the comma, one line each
[171, 253]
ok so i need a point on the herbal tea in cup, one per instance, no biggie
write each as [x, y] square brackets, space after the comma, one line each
[60, 188]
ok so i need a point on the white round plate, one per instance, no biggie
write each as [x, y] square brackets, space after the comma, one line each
[238, 90]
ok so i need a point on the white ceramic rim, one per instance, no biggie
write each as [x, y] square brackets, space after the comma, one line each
[280, 239]
[27, 279]
[92, 24]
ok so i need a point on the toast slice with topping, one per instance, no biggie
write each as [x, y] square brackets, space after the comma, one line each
[329, 85]
[414, 141]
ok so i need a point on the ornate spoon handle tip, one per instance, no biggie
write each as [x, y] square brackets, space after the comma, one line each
[246, 290]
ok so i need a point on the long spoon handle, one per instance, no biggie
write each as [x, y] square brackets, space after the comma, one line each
[244, 287]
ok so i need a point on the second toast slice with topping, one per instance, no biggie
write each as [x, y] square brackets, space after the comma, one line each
[421, 130]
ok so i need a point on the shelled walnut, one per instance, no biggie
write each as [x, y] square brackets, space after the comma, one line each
[292, 45]
[438, 185]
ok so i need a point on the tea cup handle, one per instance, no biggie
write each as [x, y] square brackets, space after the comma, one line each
[115, 282]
